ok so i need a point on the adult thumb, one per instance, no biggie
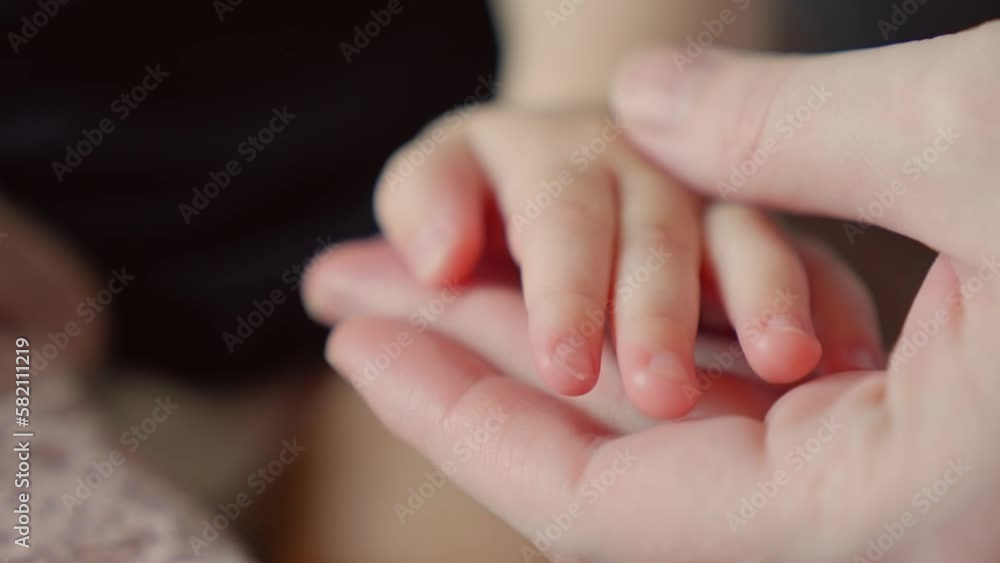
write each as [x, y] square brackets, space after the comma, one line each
[904, 136]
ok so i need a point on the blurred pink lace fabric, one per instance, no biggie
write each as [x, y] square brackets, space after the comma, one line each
[131, 517]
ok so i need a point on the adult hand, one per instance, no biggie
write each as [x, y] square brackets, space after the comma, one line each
[892, 465]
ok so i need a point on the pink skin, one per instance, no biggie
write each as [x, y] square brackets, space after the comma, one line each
[885, 438]
[659, 395]
[784, 357]
[369, 278]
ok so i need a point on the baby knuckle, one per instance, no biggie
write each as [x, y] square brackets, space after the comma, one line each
[582, 214]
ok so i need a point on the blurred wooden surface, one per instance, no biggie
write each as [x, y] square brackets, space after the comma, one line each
[338, 504]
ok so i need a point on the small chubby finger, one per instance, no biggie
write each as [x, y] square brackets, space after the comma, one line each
[430, 203]
[765, 291]
[565, 253]
[657, 290]
[367, 278]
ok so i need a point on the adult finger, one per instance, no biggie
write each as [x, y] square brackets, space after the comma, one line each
[529, 456]
[900, 136]
[439, 397]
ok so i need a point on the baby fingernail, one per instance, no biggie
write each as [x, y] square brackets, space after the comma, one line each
[787, 323]
[667, 365]
[428, 251]
[574, 360]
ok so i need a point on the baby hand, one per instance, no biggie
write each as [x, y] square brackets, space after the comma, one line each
[603, 237]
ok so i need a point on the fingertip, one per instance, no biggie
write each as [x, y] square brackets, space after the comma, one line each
[784, 356]
[428, 253]
[322, 288]
[340, 340]
[660, 398]
[569, 367]
[443, 253]
[333, 284]
[660, 384]
[435, 215]
[650, 90]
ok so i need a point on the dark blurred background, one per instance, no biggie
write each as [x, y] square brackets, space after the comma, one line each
[314, 181]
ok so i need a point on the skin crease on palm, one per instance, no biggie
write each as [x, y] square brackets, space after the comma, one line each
[886, 440]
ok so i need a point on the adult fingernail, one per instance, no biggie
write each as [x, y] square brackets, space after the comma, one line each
[656, 90]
